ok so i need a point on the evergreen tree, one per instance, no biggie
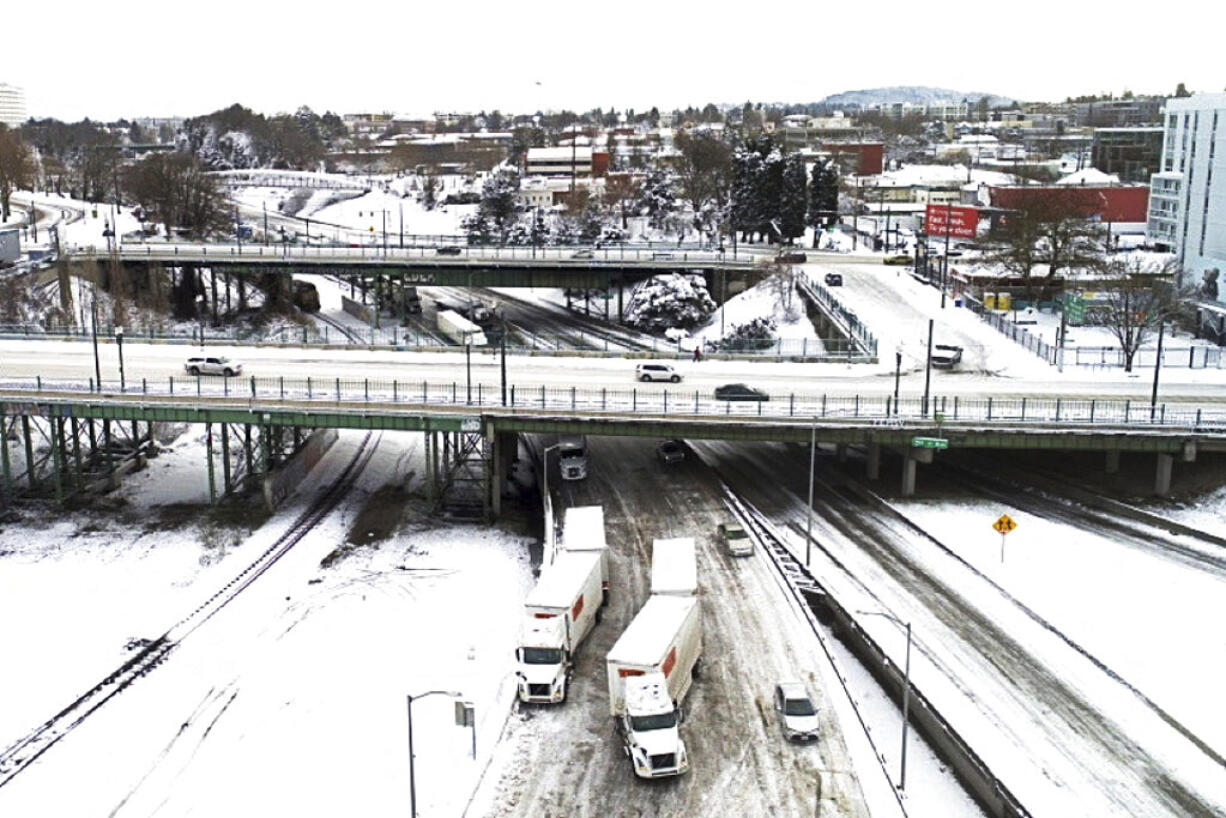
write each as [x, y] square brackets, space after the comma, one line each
[792, 199]
[823, 196]
[500, 201]
[658, 199]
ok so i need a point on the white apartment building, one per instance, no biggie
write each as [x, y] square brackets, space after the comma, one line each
[566, 161]
[1187, 197]
[12, 105]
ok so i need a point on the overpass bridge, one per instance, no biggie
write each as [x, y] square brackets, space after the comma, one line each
[448, 265]
[471, 427]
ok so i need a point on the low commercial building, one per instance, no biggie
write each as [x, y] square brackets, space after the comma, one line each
[1132, 154]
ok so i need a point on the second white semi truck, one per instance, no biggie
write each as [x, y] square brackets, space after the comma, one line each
[674, 567]
[650, 670]
[559, 613]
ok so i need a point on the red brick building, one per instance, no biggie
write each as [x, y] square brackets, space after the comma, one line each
[1110, 203]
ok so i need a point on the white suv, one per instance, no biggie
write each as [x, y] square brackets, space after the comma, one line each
[656, 372]
[213, 366]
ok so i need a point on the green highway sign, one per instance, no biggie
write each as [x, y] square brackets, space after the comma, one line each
[929, 443]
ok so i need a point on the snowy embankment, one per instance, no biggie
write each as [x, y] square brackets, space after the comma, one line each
[294, 694]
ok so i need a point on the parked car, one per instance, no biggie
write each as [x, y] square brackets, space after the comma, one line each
[671, 451]
[583, 254]
[739, 391]
[900, 259]
[661, 256]
[834, 279]
[797, 715]
[735, 538]
[201, 365]
[791, 257]
[449, 251]
[946, 356]
[656, 372]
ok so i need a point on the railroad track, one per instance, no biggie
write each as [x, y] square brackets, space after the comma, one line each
[25, 751]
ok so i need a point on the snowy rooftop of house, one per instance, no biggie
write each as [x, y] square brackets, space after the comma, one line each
[1089, 176]
[941, 175]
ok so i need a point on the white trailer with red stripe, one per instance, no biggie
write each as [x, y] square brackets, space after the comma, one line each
[650, 670]
[559, 613]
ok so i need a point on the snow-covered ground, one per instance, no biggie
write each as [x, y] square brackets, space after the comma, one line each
[291, 700]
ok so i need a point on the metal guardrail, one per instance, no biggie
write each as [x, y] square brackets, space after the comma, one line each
[855, 329]
[680, 402]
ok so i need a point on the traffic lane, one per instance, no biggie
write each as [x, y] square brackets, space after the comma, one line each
[740, 764]
[75, 360]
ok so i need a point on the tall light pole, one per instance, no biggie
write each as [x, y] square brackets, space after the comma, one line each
[897, 374]
[94, 333]
[1153, 400]
[468, 367]
[412, 778]
[809, 509]
[119, 343]
[928, 369]
[906, 692]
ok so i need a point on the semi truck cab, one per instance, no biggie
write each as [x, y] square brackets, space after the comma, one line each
[544, 661]
[649, 728]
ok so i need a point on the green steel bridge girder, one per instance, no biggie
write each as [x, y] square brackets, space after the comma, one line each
[494, 420]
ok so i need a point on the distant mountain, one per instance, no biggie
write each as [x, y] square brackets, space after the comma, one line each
[908, 93]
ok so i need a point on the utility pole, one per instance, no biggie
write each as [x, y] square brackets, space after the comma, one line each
[928, 369]
[949, 209]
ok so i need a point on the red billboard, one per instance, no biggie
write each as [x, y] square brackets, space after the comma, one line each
[954, 220]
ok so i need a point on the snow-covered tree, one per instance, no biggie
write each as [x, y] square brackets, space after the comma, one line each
[793, 199]
[757, 333]
[823, 197]
[658, 198]
[673, 301]
[499, 206]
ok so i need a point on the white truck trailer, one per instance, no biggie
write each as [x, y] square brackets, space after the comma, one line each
[583, 530]
[650, 670]
[559, 613]
[459, 329]
[674, 567]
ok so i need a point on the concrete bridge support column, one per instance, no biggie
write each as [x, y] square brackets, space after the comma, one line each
[908, 475]
[25, 433]
[873, 461]
[1113, 461]
[1162, 481]
[505, 446]
[6, 465]
[208, 448]
[910, 457]
[840, 452]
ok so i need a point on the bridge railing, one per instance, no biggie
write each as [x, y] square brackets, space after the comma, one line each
[409, 339]
[375, 251]
[644, 400]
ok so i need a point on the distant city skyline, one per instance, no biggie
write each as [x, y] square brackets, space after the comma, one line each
[415, 60]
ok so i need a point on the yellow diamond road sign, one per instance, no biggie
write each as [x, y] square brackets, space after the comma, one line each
[1005, 524]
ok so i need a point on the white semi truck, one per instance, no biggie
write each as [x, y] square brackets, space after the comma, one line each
[559, 613]
[459, 329]
[583, 530]
[572, 457]
[674, 567]
[650, 670]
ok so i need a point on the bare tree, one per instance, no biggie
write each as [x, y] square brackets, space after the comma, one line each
[17, 168]
[176, 191]
[1141, 297]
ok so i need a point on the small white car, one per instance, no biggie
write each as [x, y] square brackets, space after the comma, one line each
[656, 372]
[213, 365]
[735, 538]
[797, 715]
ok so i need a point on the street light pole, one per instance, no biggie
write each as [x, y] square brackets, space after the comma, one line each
[809, 509]
[412, 778]
[906, 693]
[928, 369]
[94, 327]
[468, 366]
[119, 342]
[897, 374]
[1153, 400]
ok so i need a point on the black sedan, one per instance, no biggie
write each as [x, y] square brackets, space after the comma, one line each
[739, 391]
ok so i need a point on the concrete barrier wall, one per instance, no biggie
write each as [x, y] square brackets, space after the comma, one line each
[279, 483]
[357, 309]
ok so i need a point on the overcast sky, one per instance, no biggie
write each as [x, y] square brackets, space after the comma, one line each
[105, 60]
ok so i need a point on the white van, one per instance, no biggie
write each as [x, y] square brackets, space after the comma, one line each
[656, 372]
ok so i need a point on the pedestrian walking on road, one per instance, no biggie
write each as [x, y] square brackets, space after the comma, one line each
[697, 354]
